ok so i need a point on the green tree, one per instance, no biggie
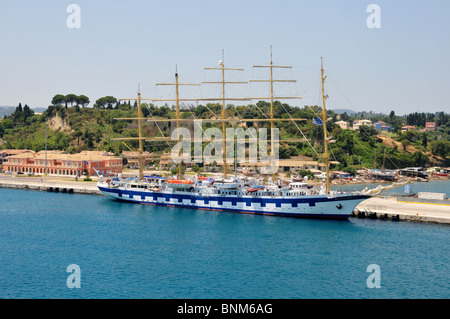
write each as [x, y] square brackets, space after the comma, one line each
[287, 151]
[420, 159]
[344, 116]
[77, 135]
[405, 143]
[345, 140]
[88, 139]
[424, 140]
[58, 99]
[391, 115]
[366, 132]
[200, 111]
[18, 112]
[144, 109]
[70, 99]
[82, 100]
[26, 113]
[440, 148]
[106, 102]
[7, 123]
[442, 119]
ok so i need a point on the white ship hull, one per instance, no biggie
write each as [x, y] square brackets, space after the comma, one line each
[339, 206]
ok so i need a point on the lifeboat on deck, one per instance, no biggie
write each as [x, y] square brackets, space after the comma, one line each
[179, 183]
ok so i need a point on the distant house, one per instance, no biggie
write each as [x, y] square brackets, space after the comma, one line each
[165, 161]
[344, 125]
[382, 126]
[408, 128]
[358, 123]
[133, 158]
[430, 126]
[294, 165]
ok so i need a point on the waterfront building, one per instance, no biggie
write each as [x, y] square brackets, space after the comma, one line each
[60, 163]
[9, 152]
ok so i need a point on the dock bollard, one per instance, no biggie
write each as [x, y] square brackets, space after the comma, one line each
[372, 215]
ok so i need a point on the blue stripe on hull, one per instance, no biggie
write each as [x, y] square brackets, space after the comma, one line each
[138, 197]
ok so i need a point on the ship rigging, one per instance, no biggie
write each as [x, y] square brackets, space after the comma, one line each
[294, 199]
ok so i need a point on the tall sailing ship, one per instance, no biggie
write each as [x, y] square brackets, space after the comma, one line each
[233, 194]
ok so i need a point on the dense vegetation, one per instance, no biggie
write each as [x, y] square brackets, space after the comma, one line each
[92, 128]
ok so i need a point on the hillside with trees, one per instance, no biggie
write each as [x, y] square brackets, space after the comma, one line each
[88, 128]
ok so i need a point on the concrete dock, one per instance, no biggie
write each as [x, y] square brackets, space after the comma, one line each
[403, 208]
[51, 184]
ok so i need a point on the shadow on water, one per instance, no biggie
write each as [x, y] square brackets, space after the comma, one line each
[121, 206]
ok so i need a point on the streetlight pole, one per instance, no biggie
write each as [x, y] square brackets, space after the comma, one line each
[45, 170]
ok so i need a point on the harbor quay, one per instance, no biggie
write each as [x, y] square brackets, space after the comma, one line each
[399, 208]
[395, 208]
[50, 184]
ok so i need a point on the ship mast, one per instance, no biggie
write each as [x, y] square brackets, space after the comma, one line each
[141, 151]
[177, 104]
[222, 120]
[324, 120]
[271, 66]
[222, 68]
[140, 138]
[139, 118]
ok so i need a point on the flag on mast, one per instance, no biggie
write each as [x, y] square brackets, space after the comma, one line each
[96, 171]
[317, 121]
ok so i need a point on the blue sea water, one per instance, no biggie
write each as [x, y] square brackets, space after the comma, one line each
[138, 251]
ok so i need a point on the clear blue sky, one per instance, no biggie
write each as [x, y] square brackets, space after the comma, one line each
[403, 66]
